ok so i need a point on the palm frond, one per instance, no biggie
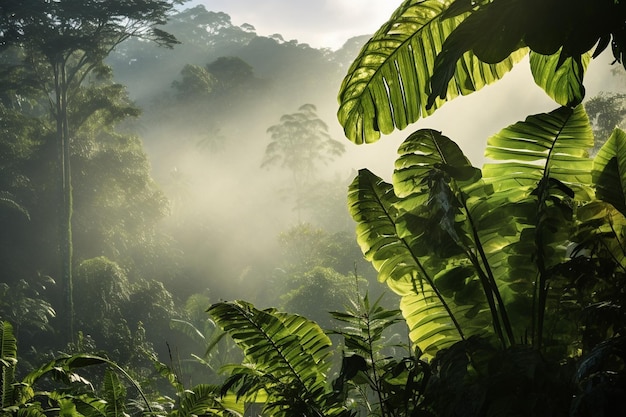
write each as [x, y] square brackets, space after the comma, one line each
[288, 353]
[8, 361]
[201, 400]
[114, 394]
[388, 84]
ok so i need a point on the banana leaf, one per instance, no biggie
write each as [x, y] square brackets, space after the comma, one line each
[388, 84]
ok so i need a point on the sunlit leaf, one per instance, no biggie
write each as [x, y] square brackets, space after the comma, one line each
[562, 81]
[609, 171]
[388, 85]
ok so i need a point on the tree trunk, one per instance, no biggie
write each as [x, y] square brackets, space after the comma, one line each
[65, 200]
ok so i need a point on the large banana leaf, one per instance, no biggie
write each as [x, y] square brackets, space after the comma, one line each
[287, 354]
[388, 85]
[469, 255]
[603, 223]
[439, 185]
[542, 173]
[554, 145]
[438, 302]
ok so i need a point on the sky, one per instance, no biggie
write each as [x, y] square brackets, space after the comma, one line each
[319, 23]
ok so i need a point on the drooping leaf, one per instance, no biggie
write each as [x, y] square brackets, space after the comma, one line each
[388, 85]
[562, 81]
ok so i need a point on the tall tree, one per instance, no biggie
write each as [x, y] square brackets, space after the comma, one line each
[62, 43]
[299, 142]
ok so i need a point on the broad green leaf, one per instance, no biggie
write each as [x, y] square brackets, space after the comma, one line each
[90, 405]
[439, 186]
[603, 228]
[67, 408]
[388, 85]
[562, 81]
[609, 171]
[543, 172]
[408, 270]
[424, 151]
[554, 145]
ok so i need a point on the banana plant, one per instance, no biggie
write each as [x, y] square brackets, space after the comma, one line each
[474, 253]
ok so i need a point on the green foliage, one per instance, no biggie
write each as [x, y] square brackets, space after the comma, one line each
[474, 379]
[8, 357]
[58, 386]
[471, 254]
[433, 51]
[388, 84]
[383, 381]
[60, 45]
[25, 305]
[315, 292]
[286, 356]
[196, 81]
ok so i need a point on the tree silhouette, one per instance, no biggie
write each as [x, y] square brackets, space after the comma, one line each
[299, 143]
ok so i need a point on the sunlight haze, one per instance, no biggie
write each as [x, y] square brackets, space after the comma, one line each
[321, 24]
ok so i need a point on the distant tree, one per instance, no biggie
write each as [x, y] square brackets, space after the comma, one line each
[298, 144]
[606, 111]
[321, 290]
[231, 72]
[63, 42]
[111, 310]
[196, 82]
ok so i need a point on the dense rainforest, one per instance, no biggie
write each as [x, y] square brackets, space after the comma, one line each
[176, 202]
[179, 218]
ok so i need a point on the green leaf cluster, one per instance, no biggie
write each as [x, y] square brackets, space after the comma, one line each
[57, 387]
[286, 357]
[476, 253]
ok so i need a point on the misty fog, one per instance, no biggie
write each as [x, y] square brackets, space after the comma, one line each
[206, 151]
